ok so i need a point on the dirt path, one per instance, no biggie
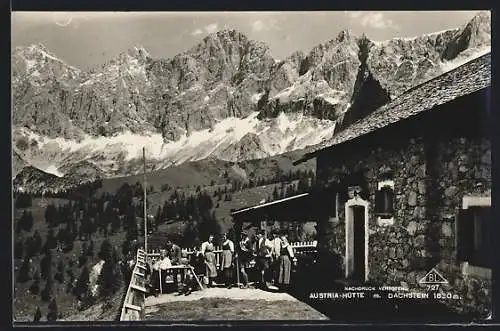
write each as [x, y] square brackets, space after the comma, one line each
[233, 304]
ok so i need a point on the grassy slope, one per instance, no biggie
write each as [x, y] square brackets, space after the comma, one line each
[108, 311]
[188, 176]
[203, 172]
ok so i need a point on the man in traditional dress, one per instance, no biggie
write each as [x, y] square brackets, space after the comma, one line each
[175, 254]
[207, 250]
[227, 260]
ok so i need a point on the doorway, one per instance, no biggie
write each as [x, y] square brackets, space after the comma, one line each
[356, 234]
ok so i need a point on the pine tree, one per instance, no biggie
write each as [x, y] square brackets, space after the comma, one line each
[46, 265]
[25, 271]
[25, 222]
[82, 290]
[71, 278]
[110, 278]
[69, 286]
[60, 272]
[53, 313]
[51, 242]
[82, 260]
[90, 250]
[38, 315]
[84, 248]
[158, 217]
[48, 291]
[29, 249]
[35, 286]
[29, 222]
[106, 251]
[19, 224]
[190, 235]
[50, 215]
[275, 193]
[37, 243]
[18, 249]
[281, 193]
[126, 246]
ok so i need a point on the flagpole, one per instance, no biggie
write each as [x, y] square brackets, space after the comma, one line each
[145, 207]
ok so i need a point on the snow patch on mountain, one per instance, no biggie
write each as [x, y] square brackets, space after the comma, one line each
[276, 136]
[52, 169]
[256, 97]
[426, 35]
[464, 57]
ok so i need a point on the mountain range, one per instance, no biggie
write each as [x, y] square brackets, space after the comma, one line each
[226, 98]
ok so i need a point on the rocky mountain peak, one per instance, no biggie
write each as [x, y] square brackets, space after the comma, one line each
[230, 33]
[33, 49]
[223, 37]
[138, 52]
[37, 53]
[344, 35]
[483, 17]
[476, 33]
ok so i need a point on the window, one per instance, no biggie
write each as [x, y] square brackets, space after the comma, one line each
[474, 229]
[384, 200]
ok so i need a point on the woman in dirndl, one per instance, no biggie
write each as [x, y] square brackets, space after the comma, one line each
[227, 261]
[285, 264]
[207, 250]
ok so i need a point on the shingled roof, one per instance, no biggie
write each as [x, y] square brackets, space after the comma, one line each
[463, 80]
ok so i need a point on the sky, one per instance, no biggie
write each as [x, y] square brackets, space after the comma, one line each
[88, 39]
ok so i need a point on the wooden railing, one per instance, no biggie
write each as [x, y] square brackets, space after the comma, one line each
[133, 305]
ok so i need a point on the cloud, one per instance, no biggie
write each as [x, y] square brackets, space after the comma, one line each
[211, 28]
[259, 25]
[354, 14]
[374, 20]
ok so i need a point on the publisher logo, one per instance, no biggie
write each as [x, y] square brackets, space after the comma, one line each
[433, 277]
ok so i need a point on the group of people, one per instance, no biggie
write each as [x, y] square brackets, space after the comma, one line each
[275, 257]
[171, 255]
[271, 256]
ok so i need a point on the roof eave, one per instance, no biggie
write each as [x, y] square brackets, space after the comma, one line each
[305, 158]
[267, 204]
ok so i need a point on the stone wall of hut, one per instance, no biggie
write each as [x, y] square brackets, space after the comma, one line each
[430, 179]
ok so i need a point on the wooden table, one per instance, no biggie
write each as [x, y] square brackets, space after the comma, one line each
[179, 267]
